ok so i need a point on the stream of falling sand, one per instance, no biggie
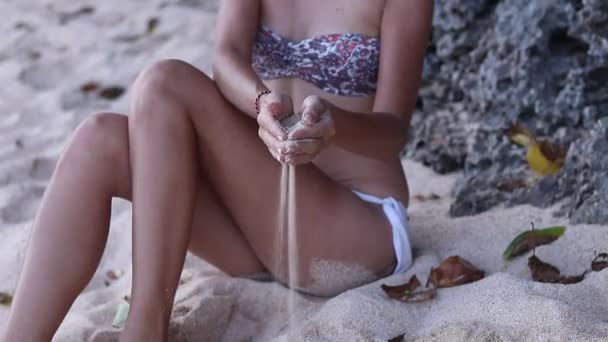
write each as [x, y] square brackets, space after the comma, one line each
[286, 234]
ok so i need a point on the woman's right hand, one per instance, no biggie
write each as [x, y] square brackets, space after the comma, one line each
[273, 107]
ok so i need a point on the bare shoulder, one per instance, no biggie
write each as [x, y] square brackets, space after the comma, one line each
[405, 32]
[408, 13]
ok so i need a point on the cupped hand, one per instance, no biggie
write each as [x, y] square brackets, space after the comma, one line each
[273, 107]
[314, 133]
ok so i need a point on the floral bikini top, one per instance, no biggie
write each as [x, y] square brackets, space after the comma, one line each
[341, 64]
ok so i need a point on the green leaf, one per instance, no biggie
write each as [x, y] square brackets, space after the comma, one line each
[529, 239]
[152, 25]
[121, 315]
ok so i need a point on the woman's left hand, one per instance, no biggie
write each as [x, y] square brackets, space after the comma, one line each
[315, 133]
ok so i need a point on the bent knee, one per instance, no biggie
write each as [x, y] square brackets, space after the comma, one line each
[167, 76]
[100, 141]
[166, 93]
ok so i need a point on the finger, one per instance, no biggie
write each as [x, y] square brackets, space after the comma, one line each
[305, 132]
[276, 147]
[276, 155]
[271, 103]
[270, 140]
[312, 109]
[267, 122]
[304, 146]
[321, 130]
[286, 106]
[310, 116]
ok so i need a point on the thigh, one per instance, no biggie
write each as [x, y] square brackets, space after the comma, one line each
[333, 224]
[215, 236]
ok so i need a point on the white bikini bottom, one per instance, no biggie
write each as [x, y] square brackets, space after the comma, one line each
[396, 213]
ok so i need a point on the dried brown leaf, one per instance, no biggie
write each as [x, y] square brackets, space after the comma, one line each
[407, 292]
[396, 292]
[544, 272]
[112, 93]
[572, 279]
[5, 298]
[600, 262]
[89, 87]
[454, 271]
[420, 296]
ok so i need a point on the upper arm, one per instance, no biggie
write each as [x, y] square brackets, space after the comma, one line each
[236, 27]
[405, 30]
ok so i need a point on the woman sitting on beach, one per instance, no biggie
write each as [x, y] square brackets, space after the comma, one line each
[201, 160]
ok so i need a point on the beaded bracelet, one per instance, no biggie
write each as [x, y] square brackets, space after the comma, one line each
[257, 100]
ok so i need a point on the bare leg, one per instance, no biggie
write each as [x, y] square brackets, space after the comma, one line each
[339, 226]
[164, 169]
[75, 212]
[73, 220]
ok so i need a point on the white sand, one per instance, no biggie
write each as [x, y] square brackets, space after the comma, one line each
[42, 65]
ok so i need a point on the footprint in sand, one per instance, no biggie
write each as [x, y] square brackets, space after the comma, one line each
[181, 311]
[23, 199]
[38, 169]
[42, 168]
[23, 205]
[208, 6]
[47, 75]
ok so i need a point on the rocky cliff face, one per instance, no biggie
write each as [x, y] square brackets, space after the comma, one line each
[491, 63]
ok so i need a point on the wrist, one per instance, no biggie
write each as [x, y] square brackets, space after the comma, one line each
[258, 100]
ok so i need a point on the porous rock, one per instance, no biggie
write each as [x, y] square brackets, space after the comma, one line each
[491, 63]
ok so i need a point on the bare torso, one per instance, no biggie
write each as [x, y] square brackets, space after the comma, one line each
[298, 20]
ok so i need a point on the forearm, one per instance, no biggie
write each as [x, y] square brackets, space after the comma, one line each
[375, 135]
[237, 80]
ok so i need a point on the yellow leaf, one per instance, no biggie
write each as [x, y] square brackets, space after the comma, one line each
[544, 157]
[541, 163]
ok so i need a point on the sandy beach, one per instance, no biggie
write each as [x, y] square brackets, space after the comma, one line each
[50, 49]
